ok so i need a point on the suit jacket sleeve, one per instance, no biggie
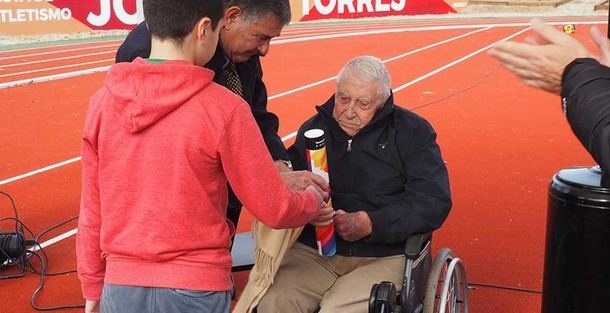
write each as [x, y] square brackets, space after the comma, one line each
[296, 152]
[267, 122]
[586, 101]
[136, 44]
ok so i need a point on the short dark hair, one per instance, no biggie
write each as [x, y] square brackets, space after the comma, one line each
[255, 9]
[175, 19]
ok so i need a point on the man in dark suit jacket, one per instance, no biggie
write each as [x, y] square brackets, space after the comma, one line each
[246, 35]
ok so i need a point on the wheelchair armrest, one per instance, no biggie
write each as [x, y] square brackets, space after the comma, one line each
[415, 244]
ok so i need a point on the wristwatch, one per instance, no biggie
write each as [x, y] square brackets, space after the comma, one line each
[287, 163]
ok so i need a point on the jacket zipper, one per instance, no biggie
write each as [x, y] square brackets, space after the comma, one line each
[349, 145]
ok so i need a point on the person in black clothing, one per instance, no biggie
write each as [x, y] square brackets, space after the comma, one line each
[558, 63]
[248, 29]
[388, 181]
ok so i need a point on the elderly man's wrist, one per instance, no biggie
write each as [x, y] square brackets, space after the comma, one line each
[283, 165]
[368, 224]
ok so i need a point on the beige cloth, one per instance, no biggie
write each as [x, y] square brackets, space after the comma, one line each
[336, 284]
[271, 247]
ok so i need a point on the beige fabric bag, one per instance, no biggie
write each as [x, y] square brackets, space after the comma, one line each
[271, 247]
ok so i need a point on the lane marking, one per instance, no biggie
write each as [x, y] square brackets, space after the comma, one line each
[448, 65]
[418, 29]
[320, 82]
[56, 239]
[60, 59]
[322, 37]
[85, 72]
[41, 79]
[40, 170]
[57, 51]
[118, 42]
[56, 68]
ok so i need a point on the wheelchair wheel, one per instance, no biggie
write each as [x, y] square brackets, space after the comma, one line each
[447, 288]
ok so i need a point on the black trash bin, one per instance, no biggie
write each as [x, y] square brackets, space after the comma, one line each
[577, 258]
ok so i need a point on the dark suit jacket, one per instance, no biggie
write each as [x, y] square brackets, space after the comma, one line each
[586, 101]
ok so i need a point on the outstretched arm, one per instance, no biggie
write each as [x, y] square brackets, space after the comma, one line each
[540, 61]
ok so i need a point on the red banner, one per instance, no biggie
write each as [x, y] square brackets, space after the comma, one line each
[325, 9]
[28, 17]
[102, 14]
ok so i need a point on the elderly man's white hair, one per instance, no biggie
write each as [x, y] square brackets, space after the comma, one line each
[369, 69]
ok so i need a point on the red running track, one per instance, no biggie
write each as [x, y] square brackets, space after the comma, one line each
[502, 141]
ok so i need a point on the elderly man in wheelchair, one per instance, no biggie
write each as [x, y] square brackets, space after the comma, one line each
[388, 182]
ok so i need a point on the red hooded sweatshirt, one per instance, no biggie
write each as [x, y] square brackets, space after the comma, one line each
[160, 143]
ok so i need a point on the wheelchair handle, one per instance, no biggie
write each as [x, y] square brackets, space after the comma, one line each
[415, 243]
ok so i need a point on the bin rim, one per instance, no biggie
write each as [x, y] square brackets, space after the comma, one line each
[596, 170]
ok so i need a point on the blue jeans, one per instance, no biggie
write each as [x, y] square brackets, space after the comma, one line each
[130, 299]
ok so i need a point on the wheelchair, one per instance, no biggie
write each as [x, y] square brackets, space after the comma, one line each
[428, 287]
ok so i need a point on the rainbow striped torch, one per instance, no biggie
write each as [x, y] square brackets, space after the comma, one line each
[315, 143]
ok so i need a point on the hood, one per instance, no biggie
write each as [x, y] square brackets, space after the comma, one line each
[145, 92]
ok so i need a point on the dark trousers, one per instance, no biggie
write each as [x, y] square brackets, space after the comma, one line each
[233, 209]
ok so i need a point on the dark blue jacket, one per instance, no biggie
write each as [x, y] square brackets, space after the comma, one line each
[392, 169]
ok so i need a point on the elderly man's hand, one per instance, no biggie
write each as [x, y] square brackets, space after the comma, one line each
[352, 226]
[299, 180]
[540, 62]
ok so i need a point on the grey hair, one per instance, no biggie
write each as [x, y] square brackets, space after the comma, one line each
[370, 69]
[256, 9]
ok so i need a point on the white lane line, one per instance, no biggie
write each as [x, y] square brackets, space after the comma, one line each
[285, 138]
[320, 82]
[86, 45]
[352, 28]
[41, 79]
[38, 171]
[57, 68]
[59, 59]
[58, 51]
[340, 35]
[86, 72]
[56, 239]
[409, 26]
[280, 41]
[448, 65]
[414, 29]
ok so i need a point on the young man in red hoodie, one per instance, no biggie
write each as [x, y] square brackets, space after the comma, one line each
[161, 141]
